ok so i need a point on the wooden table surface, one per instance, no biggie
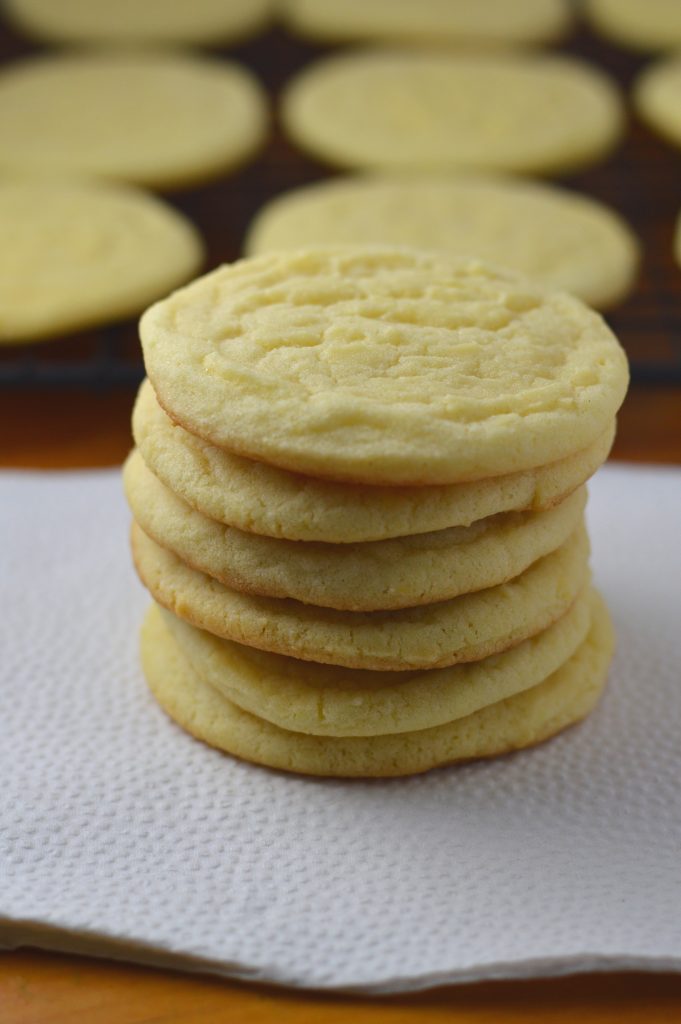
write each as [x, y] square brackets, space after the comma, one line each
[66, 430]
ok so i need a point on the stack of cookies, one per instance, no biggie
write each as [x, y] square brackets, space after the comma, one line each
[358, 492]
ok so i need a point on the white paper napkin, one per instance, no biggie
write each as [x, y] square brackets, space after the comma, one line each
[122, 836]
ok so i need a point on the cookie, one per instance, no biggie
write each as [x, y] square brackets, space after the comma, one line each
[429, 110]
[657, 97]
[565, 697]
[467, 628]
[258, 498]
[564, 239]
[76, 254]
[423, 21]
[388, 574]
[208, 22]
[383, 366]
[323, 700]
[653, 25]
[162, 120]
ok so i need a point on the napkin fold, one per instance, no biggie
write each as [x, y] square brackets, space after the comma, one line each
[122, 836]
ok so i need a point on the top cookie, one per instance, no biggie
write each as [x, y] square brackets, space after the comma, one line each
[383, 366]
[134, 21]
[429, 110]
[653, 25]
[424, 21]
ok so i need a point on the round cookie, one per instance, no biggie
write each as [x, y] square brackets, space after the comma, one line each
[139, 21]
[424, 21]
[657, 97]
[76, 254]
[430, 110]
[383, 365]
[388, 574]
[653, 25]
[162, 120]
[567, 240]
[527, 718]
[262, 499]
[323, 700]
[467, 628]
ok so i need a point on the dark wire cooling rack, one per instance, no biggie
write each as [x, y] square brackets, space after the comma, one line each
[642, 180]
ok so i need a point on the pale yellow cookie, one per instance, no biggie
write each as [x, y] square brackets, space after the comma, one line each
[75, 254]
[163, 120]
[263, 499]
[140, 21]
[657, 97]
[430, 110]
[323, 700]
[564, 239]
[387, 574]
[496, 22]
[565, 697]
[639, 24]
[383, 366]
[467, 628]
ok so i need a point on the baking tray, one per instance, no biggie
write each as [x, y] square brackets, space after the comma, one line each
[641, 180]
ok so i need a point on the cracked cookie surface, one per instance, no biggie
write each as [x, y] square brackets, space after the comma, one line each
[383, 366]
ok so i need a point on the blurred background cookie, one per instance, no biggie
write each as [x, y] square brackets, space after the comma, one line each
[161, 120]
[494, 22]
[390, 109]
[639, 24]
[560, 237]
[201, 22]
[657, 97]
[78, 253]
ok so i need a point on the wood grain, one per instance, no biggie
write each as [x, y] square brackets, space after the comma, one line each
[41, 988]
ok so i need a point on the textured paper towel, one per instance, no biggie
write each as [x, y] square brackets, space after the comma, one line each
[121, 835]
